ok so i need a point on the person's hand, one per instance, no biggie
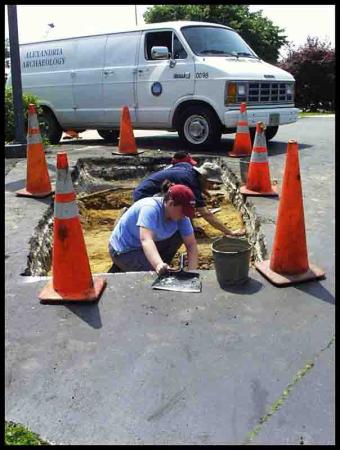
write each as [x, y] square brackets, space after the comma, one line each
[162, 268]
[239, 232]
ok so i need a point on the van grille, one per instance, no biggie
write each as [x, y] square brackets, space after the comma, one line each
[261, 92]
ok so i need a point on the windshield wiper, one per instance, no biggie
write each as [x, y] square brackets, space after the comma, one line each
[249, 55]
[215, 52]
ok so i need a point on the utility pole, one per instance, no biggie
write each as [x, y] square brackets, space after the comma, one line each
[136, 14]
[19, 148]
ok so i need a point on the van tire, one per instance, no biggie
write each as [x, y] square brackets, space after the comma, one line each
[270, 133]
[109, 135]
[199, 127]
[49, 127]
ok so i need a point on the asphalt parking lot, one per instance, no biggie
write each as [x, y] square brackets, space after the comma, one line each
[248, 366]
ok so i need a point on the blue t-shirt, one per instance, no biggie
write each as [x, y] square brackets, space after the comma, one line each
[148, 213]
[180, 173]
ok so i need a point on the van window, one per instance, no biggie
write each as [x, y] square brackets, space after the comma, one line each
[179, 52]
[121, 49]
[214, 41]
[164, 39]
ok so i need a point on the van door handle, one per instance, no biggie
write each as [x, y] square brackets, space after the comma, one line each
[107, 72]
[143, 70]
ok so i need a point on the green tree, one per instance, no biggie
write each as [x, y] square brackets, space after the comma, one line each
[260, 33]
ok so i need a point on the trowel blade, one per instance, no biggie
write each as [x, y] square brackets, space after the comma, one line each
[169, 284]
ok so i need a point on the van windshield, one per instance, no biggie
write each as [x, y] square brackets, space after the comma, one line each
[214, 41]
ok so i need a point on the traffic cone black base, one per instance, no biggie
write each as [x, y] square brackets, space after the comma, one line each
[25, 193]
[281, 280]
[272, 193]
[49, 296]
[138, 152]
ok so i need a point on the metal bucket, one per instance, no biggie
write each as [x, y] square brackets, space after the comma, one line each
[232, 258]
[244, 166]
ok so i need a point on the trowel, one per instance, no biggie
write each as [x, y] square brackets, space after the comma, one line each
[178, 280]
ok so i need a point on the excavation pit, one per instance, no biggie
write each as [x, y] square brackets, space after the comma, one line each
[105, 186]
[99, 211]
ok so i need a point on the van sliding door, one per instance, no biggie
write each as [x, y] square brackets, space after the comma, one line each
[87, 80]
[119, 76]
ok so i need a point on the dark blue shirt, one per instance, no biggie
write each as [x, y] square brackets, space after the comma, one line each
[180, 173]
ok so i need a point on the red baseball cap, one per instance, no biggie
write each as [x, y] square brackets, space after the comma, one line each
[180, 157]
[182, 195]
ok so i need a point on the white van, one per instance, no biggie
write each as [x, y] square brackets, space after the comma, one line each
[181, 76]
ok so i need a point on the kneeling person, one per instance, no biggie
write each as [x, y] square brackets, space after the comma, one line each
[150, 232]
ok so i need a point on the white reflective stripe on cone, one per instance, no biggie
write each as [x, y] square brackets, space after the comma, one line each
[33, 121]
[65, 210]
[34, 139]
[259, 157]
[260, 140]
[63, 182]
[242, 129]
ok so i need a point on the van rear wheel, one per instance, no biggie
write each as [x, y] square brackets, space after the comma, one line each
[199, 127]
[49, 127]
[109, 135]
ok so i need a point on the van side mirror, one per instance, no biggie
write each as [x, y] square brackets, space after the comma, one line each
[160, 53]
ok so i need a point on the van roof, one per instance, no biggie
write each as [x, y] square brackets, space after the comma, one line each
[149, 26]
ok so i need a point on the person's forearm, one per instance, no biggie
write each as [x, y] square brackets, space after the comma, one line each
[151, 252]
[216, 223]
[192, 253]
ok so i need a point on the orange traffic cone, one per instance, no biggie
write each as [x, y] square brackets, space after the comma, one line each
[258, 179]
[127, 143]
[289, 261]
[71, 273]
[38, 184]
[242, 142]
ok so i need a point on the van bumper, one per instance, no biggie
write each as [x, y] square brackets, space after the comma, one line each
[271, 117]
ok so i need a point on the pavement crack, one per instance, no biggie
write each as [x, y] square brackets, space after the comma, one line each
[167, 406]
[284, 395]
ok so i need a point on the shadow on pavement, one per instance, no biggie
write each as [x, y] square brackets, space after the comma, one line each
[279, 148]
[89, 313]
[249, 287]
[174, 144]
[15, 185]
[316, 289]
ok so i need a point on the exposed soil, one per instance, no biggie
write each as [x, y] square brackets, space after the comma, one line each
[99, 212]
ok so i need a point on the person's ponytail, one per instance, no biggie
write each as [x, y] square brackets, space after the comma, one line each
[165, 186]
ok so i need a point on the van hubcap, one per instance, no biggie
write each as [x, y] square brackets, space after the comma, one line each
[196, 129]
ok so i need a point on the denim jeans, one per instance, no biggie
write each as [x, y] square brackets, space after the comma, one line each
[135, 260]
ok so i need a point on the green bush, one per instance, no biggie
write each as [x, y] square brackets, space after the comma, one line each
[27, 98]
[16, 434]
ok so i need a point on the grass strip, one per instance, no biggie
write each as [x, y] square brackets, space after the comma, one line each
[17, 434]
[279, 402]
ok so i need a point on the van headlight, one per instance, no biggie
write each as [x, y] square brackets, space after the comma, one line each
[290, 91]
[241, 90]
[235, 92]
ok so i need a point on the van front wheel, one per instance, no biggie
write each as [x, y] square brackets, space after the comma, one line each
[199, 127]
[270, 133]
[50, 127]
[109, 135]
